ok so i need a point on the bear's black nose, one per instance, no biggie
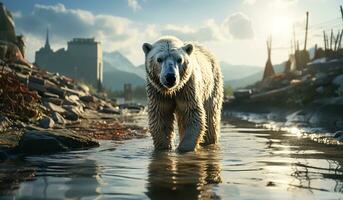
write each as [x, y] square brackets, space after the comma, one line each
[170, 78]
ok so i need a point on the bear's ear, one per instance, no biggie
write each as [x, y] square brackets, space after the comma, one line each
[147, 48]
[188, 48]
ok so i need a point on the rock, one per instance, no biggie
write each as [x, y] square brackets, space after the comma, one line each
[73, 92]
[54, 107]
[50, 95]
[109, 110]
[338, 135]
[320, 90]
[40, 142]
[58, 118]
[71, 115]
[72, 112]
[321, 79]
[72, 100]
[4, 123]
[37, 87]
[46, 122]
[338, 81]
[35, 79]
[20, 125]
[88, 98]
[84, 88]
[56, 90]
[56, 101]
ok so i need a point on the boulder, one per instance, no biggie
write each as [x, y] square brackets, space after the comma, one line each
[40, 142]
[88, 98]
[46, 122]
[338, 81]
[58, 118]
[4, 123]
[54, 107]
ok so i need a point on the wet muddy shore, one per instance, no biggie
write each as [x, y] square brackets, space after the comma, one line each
[319, 119]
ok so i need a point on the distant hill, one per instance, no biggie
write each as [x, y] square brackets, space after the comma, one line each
[120, 62]
[119, 70]
[233, 72]
[253, 78]
[115, 79]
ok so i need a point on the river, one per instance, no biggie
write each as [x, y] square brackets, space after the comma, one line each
[249, 163]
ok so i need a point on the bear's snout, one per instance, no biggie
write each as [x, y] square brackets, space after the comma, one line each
[171, 79]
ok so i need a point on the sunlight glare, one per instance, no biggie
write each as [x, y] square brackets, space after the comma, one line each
[281, 25]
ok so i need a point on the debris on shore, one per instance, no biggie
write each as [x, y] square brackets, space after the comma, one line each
[44, 112]
[308, 93]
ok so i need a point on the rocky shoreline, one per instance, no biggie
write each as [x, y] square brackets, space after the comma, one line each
[43, 112]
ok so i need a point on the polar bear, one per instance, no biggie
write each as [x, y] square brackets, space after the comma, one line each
[184, 83]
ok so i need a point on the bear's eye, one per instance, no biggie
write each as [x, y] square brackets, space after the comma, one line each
[179, 60]
[159, 60]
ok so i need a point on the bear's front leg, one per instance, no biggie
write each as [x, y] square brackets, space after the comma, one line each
[161, 122]
[194, 123]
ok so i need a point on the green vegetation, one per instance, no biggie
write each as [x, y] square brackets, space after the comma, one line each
[228, 91]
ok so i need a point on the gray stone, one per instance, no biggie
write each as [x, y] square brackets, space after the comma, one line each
[73, 92]
[50, 95]
[56, 90]
[37, 87]
[322, 79]
[338, 81]
[4, 123]
[109, 110]
[72, 100]
[54, 107]
[58, 118]
[84, 88]
[40, 142]
[46, 122]
[72, 112]
[56, 101]
[320, 90]
[88, 98]
[35, 79]
[338, 135]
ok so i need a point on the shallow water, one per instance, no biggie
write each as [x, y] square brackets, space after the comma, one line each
[249, 163]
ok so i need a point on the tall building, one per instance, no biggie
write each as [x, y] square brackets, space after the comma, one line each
[82, 60]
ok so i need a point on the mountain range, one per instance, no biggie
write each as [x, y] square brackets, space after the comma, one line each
[119, 70]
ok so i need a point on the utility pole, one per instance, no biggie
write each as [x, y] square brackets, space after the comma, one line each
[325, 47]
[331, 39]
[340, 40]
[297, 45]
[336, 40]
[294, 39]
[306, 31]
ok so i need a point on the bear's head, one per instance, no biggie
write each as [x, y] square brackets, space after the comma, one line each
[167, 63]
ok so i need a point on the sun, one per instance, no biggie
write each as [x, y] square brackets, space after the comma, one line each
[281, 25]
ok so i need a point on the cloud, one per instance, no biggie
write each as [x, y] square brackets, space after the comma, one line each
[249, 2]
[209, 31]
[118, 33]
[134, 5]
[239, 26]
[64, 24]
[271, 2]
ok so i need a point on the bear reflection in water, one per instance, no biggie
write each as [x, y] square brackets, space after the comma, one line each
[186, 176]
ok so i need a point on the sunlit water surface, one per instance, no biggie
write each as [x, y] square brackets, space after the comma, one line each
[249, 163]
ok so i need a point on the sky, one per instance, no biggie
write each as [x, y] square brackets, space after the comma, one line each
[235, 30]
